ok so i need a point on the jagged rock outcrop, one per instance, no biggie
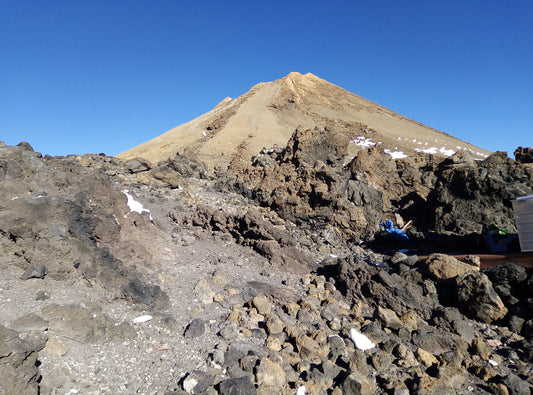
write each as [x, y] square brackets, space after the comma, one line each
[19, 372]
[450, 201]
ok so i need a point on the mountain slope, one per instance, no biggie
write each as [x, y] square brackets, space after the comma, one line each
[268, 114]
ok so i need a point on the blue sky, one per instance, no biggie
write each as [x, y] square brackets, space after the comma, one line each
[103, 76]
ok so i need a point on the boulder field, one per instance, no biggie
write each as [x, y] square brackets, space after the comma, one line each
[273, 276]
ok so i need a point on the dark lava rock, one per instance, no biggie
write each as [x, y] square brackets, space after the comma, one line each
[515, 385]
[138, 165]
[524, 154]
[509, 272]
[141, 292]
[238, 386]
[477, 297]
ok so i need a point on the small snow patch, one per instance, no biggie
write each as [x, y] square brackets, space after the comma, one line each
[142, 318]
[396, 154]
[135, 205]
[361, 341]
[430, 150]
[363, 142]
[447, 152]
[300, 390]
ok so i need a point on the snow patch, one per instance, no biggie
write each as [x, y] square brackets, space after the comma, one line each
[300, 390]
[447, 152]
[361, 341]
[430, 150]
[364, 142]
[135, 205]
[396, 154]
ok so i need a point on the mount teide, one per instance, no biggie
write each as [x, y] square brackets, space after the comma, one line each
[267, 115]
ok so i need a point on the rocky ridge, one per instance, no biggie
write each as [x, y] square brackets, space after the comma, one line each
[261, 280]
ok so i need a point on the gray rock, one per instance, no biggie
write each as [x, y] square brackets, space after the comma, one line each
[18, 363]
[217, 356]
[274, 324]
[25, 146]
[248, 363]
[398, 257]
[197, 382]
[463, 329]
[381, 361]
[34, 271]
[235, 352]
[515, 385]
[41, 295]
[195, 328]
[30, 322]
[439, 342]
[331, 369]
[238, 386]
[83, 325]
[229, 332]
[516, 323]
[138, 165]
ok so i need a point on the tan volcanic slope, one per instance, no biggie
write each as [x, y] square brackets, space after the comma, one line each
[268, 114]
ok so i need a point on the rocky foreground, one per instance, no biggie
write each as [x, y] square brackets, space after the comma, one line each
[272, 277]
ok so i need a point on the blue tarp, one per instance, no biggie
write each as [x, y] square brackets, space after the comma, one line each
[397, 234]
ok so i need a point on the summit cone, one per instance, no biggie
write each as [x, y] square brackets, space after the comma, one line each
[267, 115]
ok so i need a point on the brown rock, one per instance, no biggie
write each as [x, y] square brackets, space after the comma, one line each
[358, 383]
[425, 357]
[309, 348]
[444, 267]
[479, 347]
[262, 304]
[270, 374]
[388, 318]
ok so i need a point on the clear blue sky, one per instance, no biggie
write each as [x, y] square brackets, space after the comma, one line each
[103, 76]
